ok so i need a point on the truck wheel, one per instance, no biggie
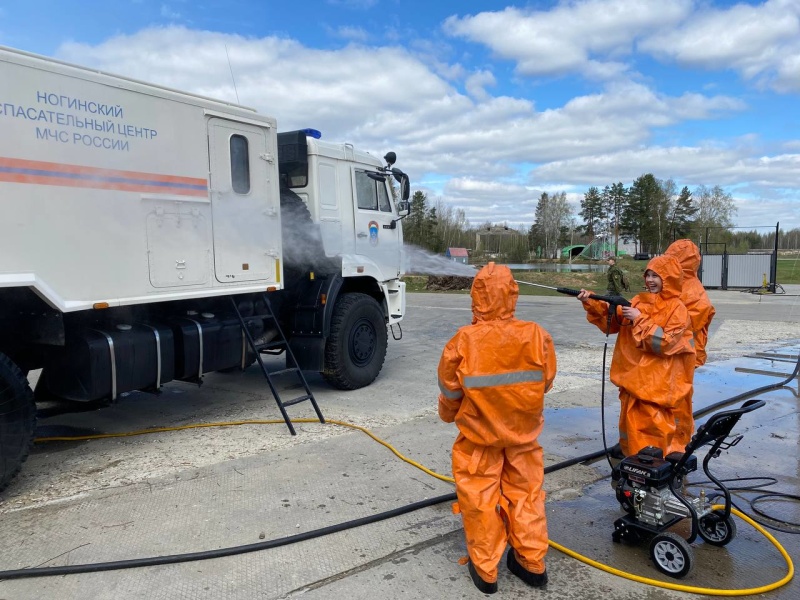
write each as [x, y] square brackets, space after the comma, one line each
[356, 348]
[17, 419]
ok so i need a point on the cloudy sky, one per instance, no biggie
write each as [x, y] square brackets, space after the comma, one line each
[487, 104]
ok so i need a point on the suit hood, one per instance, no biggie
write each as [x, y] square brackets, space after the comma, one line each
[687, 254]
[669, 269]
[494, 293]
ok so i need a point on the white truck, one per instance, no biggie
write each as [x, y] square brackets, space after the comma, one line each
[150, 235]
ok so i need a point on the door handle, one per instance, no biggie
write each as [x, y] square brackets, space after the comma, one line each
[362, 235]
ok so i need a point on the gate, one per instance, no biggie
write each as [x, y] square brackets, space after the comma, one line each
[737, 270]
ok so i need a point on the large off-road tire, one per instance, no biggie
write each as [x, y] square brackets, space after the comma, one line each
[17, 419]
[356, 347]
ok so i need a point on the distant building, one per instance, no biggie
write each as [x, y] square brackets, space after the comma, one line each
[458, 255]
[495, 239]
[572, 251]
[602, 247]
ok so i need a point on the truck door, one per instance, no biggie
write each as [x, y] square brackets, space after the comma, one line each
[245, 204]
[377, 235]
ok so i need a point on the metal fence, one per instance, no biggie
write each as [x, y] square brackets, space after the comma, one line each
[723, 270]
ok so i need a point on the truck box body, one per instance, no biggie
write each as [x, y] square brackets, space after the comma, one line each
[124, 180]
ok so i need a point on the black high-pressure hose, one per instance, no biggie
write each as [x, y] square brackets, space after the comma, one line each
[309, 535]
[244, 549]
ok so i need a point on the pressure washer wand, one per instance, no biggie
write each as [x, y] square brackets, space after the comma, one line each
[614, 300]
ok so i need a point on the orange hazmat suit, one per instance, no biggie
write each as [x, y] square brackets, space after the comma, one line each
[701, 311]
[493, 375]
[693, 295]
[653, 362]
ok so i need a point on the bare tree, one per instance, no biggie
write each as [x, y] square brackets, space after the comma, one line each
[553, 215]
[715, 210]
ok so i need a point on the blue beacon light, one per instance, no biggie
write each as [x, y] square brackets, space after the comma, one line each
[313, 133]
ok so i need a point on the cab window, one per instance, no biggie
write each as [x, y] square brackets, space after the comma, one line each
[371, 192]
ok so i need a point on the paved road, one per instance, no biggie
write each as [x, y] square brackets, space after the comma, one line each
[324, 477]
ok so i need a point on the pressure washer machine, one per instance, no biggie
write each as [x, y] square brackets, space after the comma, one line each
[650, 488]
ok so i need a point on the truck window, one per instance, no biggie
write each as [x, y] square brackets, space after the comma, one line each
[383, 198]
[371, 193]
[240, 164]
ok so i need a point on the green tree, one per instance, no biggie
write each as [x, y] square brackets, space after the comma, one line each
[591, 211]
[662, 214]
[433, 241]
[636, 220]
[538, 234]
[615, 198]
[683, 212]
[414, 226]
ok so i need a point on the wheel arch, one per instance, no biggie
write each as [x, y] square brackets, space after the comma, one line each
[27, 320]
[368, 286]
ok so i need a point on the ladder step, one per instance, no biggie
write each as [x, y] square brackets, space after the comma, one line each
[283, 371]
[297, 400]
[261, 316]
[271, 352]
[270, 345]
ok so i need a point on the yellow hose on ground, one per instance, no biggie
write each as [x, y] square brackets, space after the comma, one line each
[559, 547]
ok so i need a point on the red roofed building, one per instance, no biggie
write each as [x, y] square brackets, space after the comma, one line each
[459, 255]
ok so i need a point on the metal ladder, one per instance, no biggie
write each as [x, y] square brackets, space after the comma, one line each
[278, 342]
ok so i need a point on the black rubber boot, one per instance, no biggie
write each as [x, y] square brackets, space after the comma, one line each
[532, 579]
[483, 586]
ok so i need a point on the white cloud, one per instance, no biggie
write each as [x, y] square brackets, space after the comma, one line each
[693, 166]
[338, 91]
[572, 36]
[752, 212]
[477, 82]
[761, 42]
[355, 34]
[594, 37]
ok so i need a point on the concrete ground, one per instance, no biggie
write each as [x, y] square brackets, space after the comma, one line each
[89, 502]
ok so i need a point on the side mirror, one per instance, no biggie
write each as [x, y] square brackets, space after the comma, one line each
[405, 186]
[403, 208]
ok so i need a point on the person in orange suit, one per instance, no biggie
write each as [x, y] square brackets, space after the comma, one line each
[653, 362]
[701, 312]
[493, 375]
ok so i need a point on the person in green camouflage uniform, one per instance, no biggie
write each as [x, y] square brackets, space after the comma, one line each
[614, 274]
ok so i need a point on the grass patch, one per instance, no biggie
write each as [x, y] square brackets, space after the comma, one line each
[788, 273]
[788, 270]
